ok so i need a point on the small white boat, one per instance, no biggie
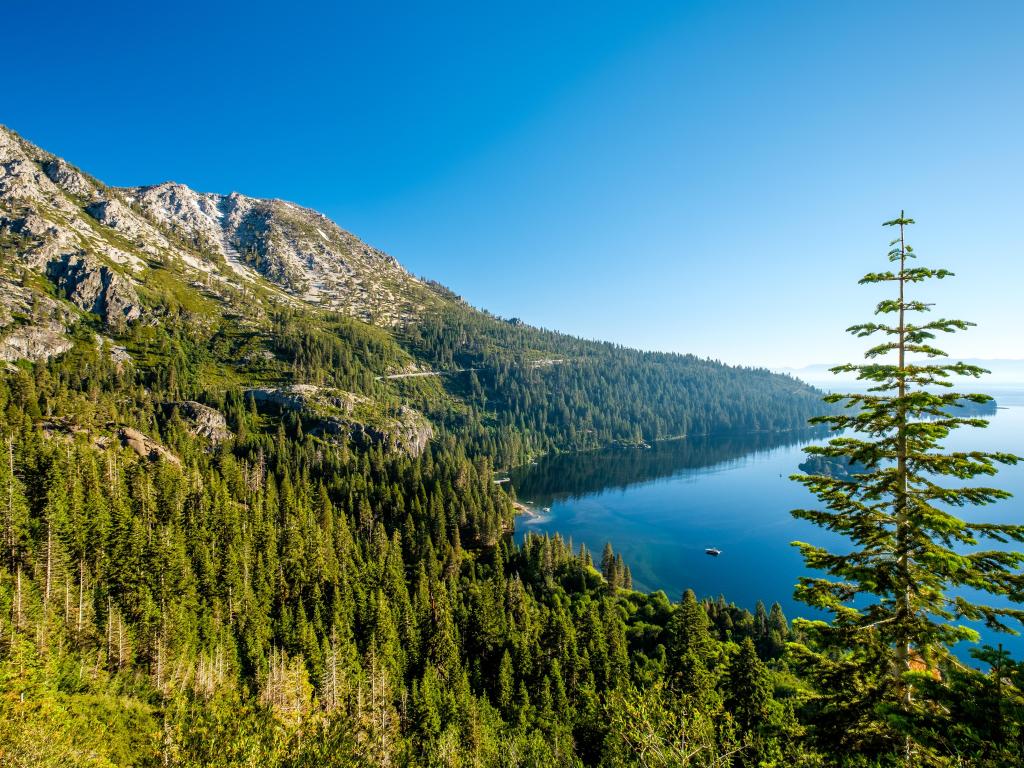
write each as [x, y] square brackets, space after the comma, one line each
[713, 551]
[547, 509]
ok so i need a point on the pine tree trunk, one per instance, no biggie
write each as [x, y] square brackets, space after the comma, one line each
[10, 499]
[110, 629]
[905, 608]
[81, 590]
[17, 603]
[49, 564]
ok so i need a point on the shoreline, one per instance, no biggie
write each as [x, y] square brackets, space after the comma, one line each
[523, 509]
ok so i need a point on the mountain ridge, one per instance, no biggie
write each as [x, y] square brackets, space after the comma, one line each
[217, 293]
[295, 249]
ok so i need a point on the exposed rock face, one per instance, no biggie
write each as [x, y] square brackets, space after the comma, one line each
[33, 326]
[50, 244]
[44, 229]
[227, 243]
[309, 398]
[298, 249]
[68, 178]
[95, 288]
[20, 178]
[97, 244]
[117, 353]
[31, 177]
[116, 215]
[347, 414]
[30, 225]
[409, 432]
[145, 446]
[204, 421]
[34, 342]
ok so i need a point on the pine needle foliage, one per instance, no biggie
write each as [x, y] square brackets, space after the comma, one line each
[903, 585]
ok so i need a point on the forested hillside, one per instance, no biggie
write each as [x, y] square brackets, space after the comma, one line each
[175, 591]
[207, 295]
[272, 597]
[554, 391]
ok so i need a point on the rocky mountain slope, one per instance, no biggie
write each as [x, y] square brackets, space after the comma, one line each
[75, 254]
[95, 244]
[297, 249]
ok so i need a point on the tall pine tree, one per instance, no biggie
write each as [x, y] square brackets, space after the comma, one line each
[899, 586]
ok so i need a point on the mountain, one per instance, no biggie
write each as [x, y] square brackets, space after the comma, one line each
[246, 294]
[297, 249]
[59, 215]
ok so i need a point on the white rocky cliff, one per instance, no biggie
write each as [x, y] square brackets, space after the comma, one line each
[96, 244]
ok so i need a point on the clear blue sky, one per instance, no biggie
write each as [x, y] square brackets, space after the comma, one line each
[701, 177]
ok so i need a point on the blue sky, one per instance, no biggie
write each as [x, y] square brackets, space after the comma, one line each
[700, 177]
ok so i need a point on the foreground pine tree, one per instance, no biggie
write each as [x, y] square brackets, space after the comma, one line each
[897, 593]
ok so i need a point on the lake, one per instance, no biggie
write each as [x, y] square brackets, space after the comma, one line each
[661, 507]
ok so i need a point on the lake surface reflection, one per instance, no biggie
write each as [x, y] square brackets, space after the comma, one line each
[661, 507]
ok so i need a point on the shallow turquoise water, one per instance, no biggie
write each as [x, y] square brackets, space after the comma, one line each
[661, 507]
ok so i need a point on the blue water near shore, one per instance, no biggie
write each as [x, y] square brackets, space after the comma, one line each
[661, 507]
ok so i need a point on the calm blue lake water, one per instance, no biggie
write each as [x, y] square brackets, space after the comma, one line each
[661, 507]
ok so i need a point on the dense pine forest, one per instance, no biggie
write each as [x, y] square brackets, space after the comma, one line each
[556, 392]
[274, 597]
[278, 598]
